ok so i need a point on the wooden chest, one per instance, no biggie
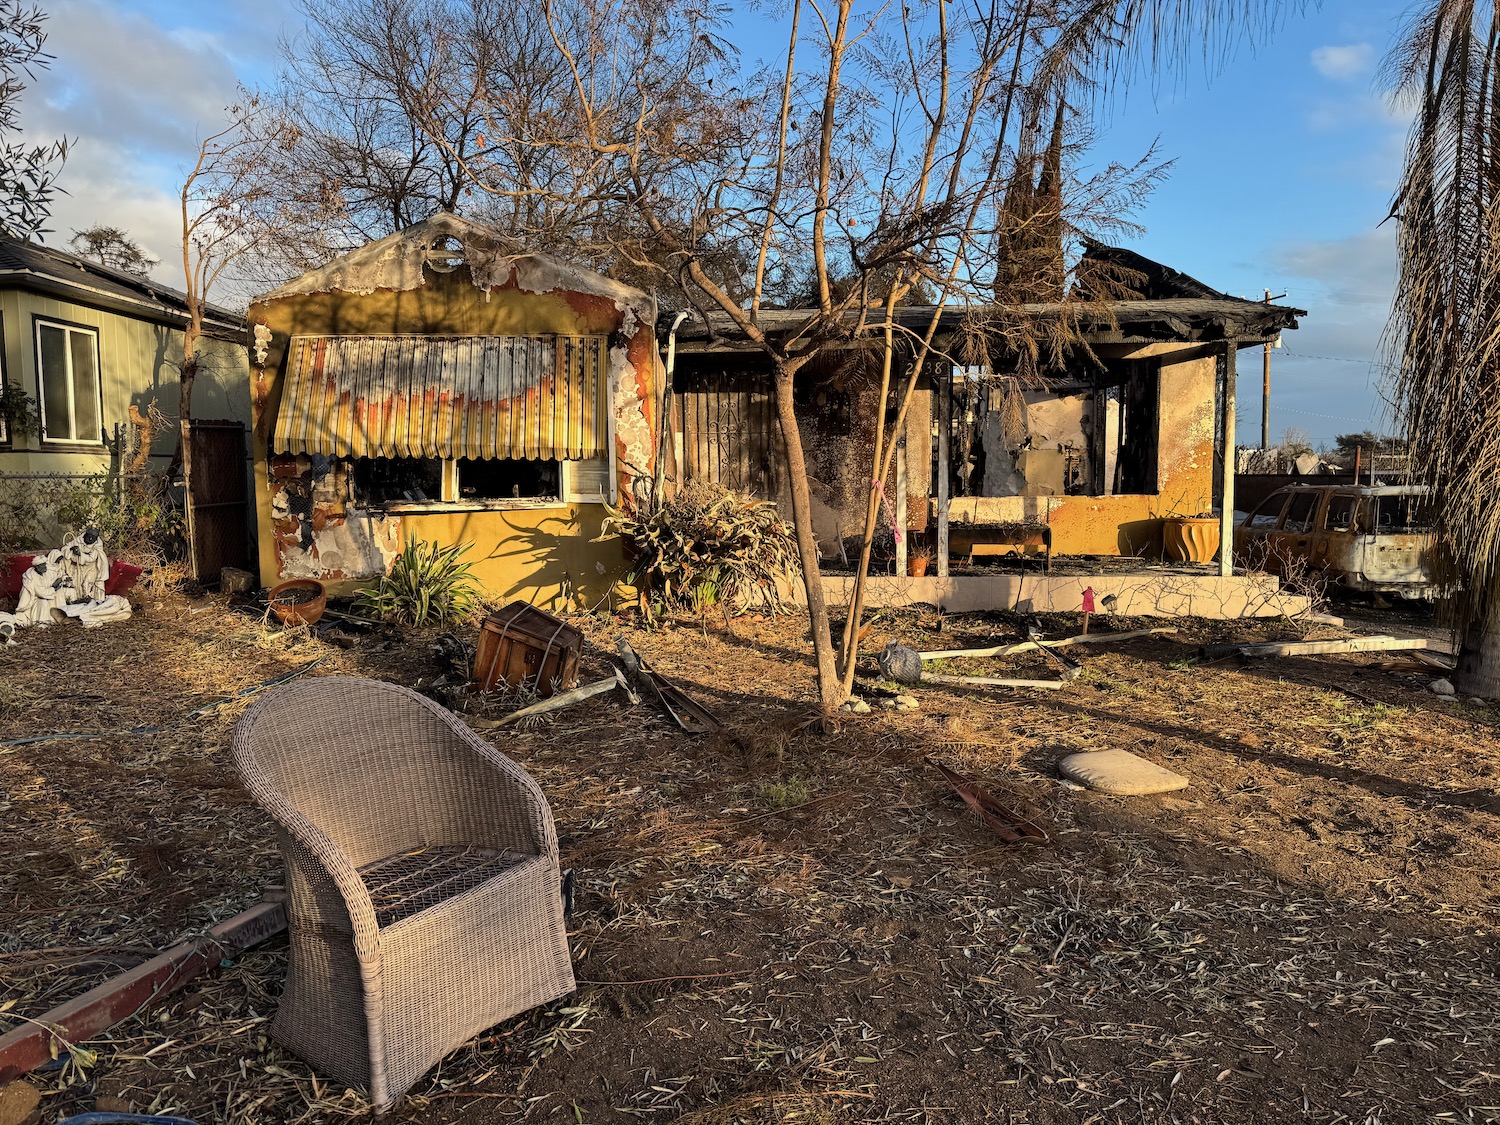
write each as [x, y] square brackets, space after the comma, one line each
[522, 646]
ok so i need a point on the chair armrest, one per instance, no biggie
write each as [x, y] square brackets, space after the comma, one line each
[524, 809]
[326, 869]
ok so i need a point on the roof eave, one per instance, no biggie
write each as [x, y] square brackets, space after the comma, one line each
[114, 302]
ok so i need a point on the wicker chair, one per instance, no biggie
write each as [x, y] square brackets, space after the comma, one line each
[422, 878]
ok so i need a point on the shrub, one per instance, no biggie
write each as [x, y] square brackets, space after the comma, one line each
[706, 546]
[427, 585]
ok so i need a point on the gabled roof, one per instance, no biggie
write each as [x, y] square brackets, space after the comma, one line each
[398, 263]
[29, 265]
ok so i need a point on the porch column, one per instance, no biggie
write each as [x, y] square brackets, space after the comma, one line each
[945, 427]
[1227, 463]
[901, 532]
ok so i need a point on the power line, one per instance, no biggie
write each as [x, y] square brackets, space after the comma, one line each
[1332, 358]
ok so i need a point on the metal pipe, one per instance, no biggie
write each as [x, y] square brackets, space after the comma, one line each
[663, 423]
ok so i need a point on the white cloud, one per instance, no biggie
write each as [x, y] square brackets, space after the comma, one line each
[1346, 63]
[133, 97]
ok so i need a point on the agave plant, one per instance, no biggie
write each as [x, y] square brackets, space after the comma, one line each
[426, 585]
[707, 546]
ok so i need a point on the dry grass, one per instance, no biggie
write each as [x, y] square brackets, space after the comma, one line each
[775, 926]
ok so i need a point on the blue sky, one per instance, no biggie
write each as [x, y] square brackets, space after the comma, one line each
[1284, 163]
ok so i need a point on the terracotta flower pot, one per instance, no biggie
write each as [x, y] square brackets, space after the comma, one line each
[1190, 538]
[292, 605]
[916, 566]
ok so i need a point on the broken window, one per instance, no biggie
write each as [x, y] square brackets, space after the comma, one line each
[1268, 514]
[1343, 513]
[508, 478]
[1403, 515]
[1300, 512]
[1085, 433]
[379, 481]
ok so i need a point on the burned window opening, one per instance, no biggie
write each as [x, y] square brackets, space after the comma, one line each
[1061, 437]
[509, 478]
[379, 481]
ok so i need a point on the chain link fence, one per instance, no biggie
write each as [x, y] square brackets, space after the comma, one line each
[139, 515]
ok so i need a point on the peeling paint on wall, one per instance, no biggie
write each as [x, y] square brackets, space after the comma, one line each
[419, 283]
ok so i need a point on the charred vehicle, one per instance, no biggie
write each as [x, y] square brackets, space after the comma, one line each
[1375, 539]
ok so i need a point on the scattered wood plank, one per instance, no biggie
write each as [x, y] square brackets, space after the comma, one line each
[1380, 643]
[989, 681]
[567, 699]
[1065, 642]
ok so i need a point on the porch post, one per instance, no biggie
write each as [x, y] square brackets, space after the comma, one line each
[901, 532]
[945, 428]
[1227, 463]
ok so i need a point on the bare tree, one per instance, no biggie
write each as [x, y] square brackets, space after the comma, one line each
[28, 172]
[234, 200]
[899, 147]
[113, 247]
[1445, 324]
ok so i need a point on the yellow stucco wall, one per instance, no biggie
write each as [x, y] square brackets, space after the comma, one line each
[541, 552]
[137, 364]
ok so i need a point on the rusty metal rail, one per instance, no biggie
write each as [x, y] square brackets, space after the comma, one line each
[39, 1040]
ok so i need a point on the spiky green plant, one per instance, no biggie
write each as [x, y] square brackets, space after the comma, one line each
[426, 585]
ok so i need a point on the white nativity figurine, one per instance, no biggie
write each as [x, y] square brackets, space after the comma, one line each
[66, 583]
[44, 591]
[85, 562]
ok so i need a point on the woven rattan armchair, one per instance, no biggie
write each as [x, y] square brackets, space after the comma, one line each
[423, 891]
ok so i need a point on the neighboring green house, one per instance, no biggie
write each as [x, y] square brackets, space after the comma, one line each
[86, 343]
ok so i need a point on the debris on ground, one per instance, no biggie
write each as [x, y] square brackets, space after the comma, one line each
[739, 905]
[1008, 825]
[1442, 687]
[689, 715]
[1316, 648]
[568, 698]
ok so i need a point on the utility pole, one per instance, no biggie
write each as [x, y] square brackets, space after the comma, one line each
[1265, 393]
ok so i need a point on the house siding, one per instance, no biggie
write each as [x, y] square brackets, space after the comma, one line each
[138, 365]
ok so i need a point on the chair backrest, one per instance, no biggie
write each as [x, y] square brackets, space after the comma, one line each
[375, 766]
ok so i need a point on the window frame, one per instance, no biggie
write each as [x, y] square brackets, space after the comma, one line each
[1356, 511]
[569, 496]
[38, 322]
[1307, 524]
[1249, 525]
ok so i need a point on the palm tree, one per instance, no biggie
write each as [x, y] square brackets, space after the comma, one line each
[1444, 335]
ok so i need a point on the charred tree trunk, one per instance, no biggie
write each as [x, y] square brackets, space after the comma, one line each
[1478, 670]
[831, 691]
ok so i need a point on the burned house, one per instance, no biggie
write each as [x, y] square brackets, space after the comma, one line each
[432, 386]
[1091, 456]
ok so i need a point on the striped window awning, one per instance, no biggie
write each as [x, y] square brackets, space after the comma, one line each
[444, 397]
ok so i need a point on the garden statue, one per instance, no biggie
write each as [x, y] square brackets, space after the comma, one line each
[44, 589]
[63, 584]
[85, 562]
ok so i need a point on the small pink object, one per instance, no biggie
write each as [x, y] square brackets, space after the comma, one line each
[1088, 600]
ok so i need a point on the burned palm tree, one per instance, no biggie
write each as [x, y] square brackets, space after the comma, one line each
[1444, 335]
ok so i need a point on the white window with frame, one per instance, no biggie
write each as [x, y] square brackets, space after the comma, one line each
[67, 363]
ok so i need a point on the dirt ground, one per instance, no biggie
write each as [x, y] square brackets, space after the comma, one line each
[780, 925]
